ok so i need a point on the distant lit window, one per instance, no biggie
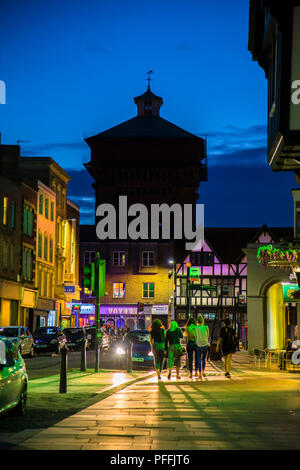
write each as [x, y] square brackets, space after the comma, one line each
[148, 290]
[119, 290]
[40, 244]
[148, 258]
[119, 258]
[12, 214]
[41, 204]
[47, 208]
[52, 211]
[4, 210]
[46, 247]
[89, 257]
[51, 250]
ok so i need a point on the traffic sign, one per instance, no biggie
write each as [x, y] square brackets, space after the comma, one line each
[202, 287]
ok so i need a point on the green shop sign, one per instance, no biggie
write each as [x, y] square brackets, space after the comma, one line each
[288, 292]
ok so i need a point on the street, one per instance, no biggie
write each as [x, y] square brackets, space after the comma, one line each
[256, 409]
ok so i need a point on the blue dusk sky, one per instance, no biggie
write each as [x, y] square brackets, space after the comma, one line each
[72, 69]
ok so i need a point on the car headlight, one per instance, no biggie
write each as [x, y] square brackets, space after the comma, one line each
[53, 341]
[150, 353]
[120, 351]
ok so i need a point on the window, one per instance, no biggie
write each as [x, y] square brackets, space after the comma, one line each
[47, 208]
[52, 211]
[11, 258]
[51, 250]
[12, 214]
[119, 258]
[41, 203]
[4, 255]
[45, 247]
[148, 258]
[89, 257]
[148, 290]
[27, 263]
[4, 210]
[40, 245]
[119, 290]
[28, 221]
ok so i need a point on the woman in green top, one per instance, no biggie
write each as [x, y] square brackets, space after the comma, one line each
[157, 341]
[190, 333]
[173, 346]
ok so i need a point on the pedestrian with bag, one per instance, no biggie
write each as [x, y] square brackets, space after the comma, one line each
[157, 341]
[190, 333]
[202, 345]
[228, 342]
[174, 348]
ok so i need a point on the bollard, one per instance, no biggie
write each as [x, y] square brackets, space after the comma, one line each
[83, 357]
[129, 357]
[63, 370]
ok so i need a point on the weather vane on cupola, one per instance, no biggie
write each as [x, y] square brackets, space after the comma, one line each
[148, 79]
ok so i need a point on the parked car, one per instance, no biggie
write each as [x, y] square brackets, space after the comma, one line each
[91, 336]
[49, 339]
[21, 337]
[141, 349]
[13, 378]
[75, 337]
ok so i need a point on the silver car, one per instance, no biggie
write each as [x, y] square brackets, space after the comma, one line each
[13, 379]
[21, 337]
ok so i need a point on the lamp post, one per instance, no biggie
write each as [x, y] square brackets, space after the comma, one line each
[171, 262]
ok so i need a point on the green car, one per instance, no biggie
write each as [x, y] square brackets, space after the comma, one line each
[13, 379]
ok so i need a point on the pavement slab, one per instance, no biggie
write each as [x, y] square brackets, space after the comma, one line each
[251, 411]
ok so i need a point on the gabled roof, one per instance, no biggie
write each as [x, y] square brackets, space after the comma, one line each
[228, 243]
[143, 127]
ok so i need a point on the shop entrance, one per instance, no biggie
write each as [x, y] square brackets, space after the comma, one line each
[276, 334]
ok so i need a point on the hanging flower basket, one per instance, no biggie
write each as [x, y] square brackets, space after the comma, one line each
[278, 257]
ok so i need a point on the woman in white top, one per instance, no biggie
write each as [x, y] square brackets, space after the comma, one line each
[202, 345]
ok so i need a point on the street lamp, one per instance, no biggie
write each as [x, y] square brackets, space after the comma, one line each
[172, 263]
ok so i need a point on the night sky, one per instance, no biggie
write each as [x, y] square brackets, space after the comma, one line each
[72, 69]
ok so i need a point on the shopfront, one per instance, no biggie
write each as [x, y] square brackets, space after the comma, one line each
[28, 304]
[10, 298]
[44, 312]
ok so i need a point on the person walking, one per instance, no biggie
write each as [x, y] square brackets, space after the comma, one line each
[202, 345]
[157, 341]
[190, 333]
[228, 342]
[173, 346]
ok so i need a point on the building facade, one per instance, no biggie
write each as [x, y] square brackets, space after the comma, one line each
[150, 161]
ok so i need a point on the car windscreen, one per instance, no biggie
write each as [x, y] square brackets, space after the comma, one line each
[45, 332]
[138, 337]
[73, 332]
[9, 332]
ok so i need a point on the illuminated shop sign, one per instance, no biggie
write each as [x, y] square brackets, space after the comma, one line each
[288, 292]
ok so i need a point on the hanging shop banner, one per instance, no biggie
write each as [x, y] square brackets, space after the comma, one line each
[288, 292]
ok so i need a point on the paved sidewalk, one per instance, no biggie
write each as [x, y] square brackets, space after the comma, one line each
[253, 410]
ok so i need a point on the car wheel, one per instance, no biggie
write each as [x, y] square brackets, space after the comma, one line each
[20, 409]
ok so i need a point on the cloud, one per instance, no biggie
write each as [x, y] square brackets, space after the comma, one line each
[52, 146]
[237, 146]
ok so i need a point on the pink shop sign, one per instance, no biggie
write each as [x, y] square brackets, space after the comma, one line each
[117, 310]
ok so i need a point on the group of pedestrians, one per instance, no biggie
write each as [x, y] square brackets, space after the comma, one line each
[167, 344]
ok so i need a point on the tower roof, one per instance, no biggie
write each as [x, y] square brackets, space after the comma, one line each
[148, 103]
